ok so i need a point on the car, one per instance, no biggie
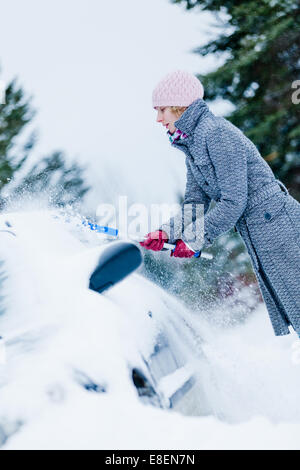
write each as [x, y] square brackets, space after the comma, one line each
[132, 342]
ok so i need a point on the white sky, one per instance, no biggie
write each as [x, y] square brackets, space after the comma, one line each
[91, 67]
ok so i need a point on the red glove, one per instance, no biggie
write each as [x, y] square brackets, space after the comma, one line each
[182, 251]
[155, 240]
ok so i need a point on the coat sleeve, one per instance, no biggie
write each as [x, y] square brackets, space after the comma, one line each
[228, 153]
[195, 203]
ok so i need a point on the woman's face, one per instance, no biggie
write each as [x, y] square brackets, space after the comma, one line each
[166, 116]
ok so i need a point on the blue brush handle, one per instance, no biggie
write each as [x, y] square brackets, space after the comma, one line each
[114, 232]
[102, 229]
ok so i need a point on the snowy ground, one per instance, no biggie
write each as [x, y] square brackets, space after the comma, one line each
[61, 335]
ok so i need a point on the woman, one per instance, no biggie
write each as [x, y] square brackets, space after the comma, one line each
[225, 166]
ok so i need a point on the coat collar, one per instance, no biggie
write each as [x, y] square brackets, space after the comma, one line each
[191, 116]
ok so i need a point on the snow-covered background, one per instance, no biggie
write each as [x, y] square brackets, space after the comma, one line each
[91, 67]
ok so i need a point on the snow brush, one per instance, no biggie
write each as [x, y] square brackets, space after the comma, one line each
[114, 233]
[172, 246]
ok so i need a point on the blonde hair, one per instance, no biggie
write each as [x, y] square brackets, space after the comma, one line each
[178, 110]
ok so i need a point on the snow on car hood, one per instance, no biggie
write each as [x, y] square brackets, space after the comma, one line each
[66, 382]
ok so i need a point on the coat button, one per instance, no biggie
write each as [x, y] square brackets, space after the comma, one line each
[268, 216]
[205, 183]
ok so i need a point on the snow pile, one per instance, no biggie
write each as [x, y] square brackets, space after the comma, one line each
[67, 384]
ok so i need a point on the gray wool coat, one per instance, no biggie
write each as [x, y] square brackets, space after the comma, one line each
[225, 166]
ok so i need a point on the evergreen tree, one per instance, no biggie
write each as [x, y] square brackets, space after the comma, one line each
[260, 43]
[224, 289]
[63, 182]
[15, 114]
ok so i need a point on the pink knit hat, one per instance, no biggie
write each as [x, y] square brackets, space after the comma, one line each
[178, 88]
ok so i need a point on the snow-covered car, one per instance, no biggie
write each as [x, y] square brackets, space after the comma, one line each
[63, 343]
